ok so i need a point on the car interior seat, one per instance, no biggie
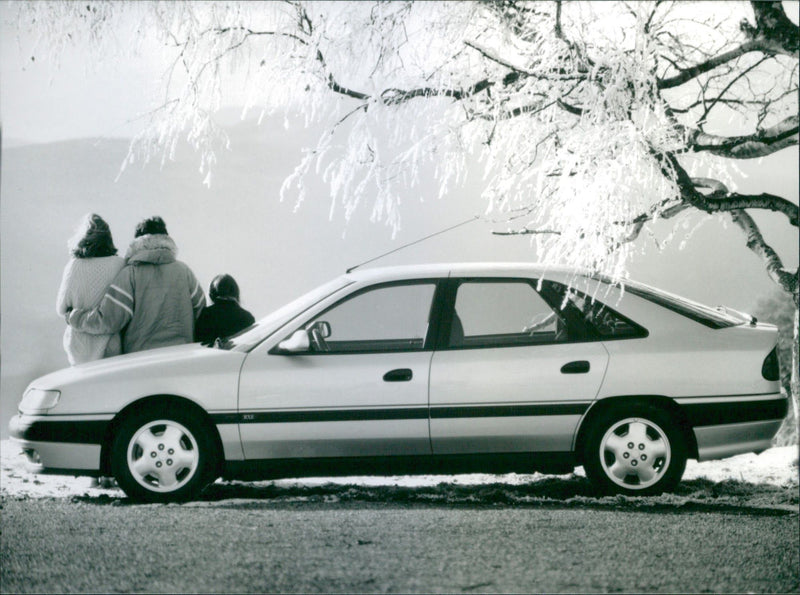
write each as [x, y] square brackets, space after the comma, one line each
[456, 331]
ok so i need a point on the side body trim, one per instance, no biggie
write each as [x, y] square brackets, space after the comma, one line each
[374, 414]
[714, 414]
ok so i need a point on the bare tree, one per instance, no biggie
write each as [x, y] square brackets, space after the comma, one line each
[592, 120]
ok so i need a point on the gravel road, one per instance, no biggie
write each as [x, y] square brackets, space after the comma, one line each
[294, 545]
[731, 526]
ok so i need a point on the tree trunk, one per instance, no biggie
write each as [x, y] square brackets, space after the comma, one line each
[795, 382]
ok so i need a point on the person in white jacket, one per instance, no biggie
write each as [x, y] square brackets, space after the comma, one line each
[93, 266]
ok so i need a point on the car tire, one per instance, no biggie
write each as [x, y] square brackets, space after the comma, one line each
[636, 451]
[163, 457]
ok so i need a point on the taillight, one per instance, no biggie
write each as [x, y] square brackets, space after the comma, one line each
[771, 369]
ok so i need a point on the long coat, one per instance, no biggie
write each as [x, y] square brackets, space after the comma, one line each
[83, 285]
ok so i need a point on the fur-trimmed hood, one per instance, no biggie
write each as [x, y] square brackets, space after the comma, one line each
[152, 249]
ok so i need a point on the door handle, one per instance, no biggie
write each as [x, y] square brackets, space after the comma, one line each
[398, 375]
[578, 367]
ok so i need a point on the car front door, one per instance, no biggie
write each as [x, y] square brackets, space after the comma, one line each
[513, 374]
[359, 389]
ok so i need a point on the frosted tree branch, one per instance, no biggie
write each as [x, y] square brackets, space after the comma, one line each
[578, 112]
[760, 144]
[773, 34]
[755, 242]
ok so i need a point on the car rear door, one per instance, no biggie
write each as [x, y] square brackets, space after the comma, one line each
[361, 391]
[511, 373]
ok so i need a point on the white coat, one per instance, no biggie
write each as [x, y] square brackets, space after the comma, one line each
[83, 285]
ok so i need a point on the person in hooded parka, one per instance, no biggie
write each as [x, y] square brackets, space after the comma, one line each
[154, 301]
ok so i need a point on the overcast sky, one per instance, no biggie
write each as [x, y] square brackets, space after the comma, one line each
[82, 98]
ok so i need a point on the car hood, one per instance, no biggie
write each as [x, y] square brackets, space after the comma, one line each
[143, 364]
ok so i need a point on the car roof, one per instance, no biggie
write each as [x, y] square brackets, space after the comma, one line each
[483, 269]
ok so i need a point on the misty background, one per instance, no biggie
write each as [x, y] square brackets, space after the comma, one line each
[65, 135]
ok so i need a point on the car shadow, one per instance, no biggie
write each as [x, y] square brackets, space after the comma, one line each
[728, 496]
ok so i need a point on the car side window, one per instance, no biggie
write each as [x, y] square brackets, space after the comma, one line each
[385, 318]
[503, 314]
[601, 321]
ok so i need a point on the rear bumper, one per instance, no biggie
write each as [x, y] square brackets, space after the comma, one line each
[719, 442]
[723, 428]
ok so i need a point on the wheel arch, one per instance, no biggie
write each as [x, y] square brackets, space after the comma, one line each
[604, 405]
[165, 403]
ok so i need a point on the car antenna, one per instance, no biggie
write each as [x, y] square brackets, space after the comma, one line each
[470, 220]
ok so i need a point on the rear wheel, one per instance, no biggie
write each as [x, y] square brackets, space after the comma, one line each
[163, 457]
[636, 450]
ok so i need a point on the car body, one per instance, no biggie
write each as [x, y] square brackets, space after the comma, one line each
[424, 369]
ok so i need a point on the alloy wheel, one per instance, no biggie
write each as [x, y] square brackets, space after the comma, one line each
[635, 453]
[163, 456]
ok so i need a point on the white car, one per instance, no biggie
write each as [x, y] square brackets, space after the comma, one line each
[424, 369]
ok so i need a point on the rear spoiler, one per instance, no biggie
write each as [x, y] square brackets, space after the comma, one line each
[743, 315]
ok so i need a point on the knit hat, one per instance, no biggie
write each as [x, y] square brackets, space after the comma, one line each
[151, 226]
[224, 287]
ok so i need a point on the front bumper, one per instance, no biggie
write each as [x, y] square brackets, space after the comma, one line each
[61, 446]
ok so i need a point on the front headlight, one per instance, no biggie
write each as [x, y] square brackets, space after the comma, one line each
[36, 400]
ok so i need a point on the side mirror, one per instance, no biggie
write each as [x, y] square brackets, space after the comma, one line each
[297, 343]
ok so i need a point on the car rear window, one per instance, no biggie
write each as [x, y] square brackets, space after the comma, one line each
[698, 312]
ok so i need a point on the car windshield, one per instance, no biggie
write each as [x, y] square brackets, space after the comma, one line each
[254, 334]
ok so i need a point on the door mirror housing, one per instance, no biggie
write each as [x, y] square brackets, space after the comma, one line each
[297, 343]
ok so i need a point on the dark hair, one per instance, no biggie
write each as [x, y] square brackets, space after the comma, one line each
[92, 239]
[223, 287]
[151, 226]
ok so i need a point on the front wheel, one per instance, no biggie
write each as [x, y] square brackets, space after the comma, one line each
[637, 451]
[163, 457]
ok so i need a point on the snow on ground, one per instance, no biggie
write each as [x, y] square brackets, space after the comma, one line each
[776, 466]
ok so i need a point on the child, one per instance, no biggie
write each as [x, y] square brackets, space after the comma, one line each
[225, 317]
